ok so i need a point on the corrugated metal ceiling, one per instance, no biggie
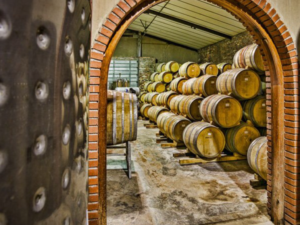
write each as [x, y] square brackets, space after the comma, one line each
[167, 24]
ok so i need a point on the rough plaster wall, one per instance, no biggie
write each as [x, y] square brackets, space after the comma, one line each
[224, 51]
[159, 50]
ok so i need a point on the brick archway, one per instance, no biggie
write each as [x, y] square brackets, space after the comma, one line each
[281, 64]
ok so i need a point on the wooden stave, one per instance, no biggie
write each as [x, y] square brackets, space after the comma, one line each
[155, 85]
[175, 102]
[169, 65]
[177, 83]
[126, 105]
[154, 77]
[208, 110]
[223, 67]
[204, 66]
[167, 97]
[144, 108]
[160, 67]
[249, 57]
[184, 68]
[185, 107]
[259, 144]
[174, 123]
[231, 134]
[199, 85]
[191, 138]
[226, 83]
[248, 109]
[187, 87]
[155, 111]
[151, 98]
[147, 86]
[162, 75]
[161, 120]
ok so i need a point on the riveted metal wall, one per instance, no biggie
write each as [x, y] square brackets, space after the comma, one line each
[44, 49]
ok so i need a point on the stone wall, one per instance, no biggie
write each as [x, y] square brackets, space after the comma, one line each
[224, 51]
[146, 68]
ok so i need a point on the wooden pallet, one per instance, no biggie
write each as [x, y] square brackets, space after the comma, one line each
[173, 144]
[192, 159]
[150, 125]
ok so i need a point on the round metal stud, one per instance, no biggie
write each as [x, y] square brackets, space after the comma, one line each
[80, 90]
[5, 26]
[43, 39]
[71, 5]
[40, 146]
[41, 91]
[79, 164]
[3, 160]
[67, 90]
[68, 46]
[4, 93]
[83, 15]
[79, 127]
[39, 199]
[66, 135]
[3, 220]
[81, 51]
[66, 179]
[67, 221]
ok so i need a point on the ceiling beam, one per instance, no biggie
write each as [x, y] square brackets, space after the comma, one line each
[165, 40]
[192, 25]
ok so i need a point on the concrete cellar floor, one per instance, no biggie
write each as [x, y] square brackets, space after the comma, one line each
[161, 192]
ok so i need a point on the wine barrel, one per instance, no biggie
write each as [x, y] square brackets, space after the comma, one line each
[190, 70]
[154, 77]
[172, 67]
[249, 57]
[158, 87]
[175, 102]
[189, 106]
[148, 86]
[205, 85]
[242, 84]
[162, 118]
[168, 87]
[144, 110]
[223, 110]
[174, 127]
[122, 115]
[165, 77]
[257, 156]
[187, 87]
[161, 67]
[159, 99]
[240, 137]
[223, 67]
[151, 98]
[176, 84]
[165, 98]
[209, 68]
[255, 110]
[142, 96]
[204, 140]
[155, 111]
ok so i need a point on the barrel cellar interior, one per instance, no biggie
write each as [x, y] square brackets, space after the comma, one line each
[201, 99]
[149, 112]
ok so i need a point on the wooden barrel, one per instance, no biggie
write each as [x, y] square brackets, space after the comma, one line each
[161, 67]
[190, 70]
[240, 137]
[159, 99]
[151, 98]
[165, 77]
[189, 106]
[158, 87]
[249, 57]
[175, 102]
[187, 87]
[223, 110]
[205, 85]
[204, 140]
[255, 110]
[174, 127]
[142, 96]
[162, 118]
[209, 68]
[177, 83]
[168, 87]
[155, 111]
[148, 86]
[172, 67]
[144, 110]
[242, 84]
[257, 156]
[154, 77]
[166, 98]
[223, 67]
[122, 115]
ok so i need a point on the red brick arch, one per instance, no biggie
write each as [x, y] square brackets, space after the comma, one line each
[281, 64]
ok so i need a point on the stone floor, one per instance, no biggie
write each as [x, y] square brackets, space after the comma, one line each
[161, 192]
